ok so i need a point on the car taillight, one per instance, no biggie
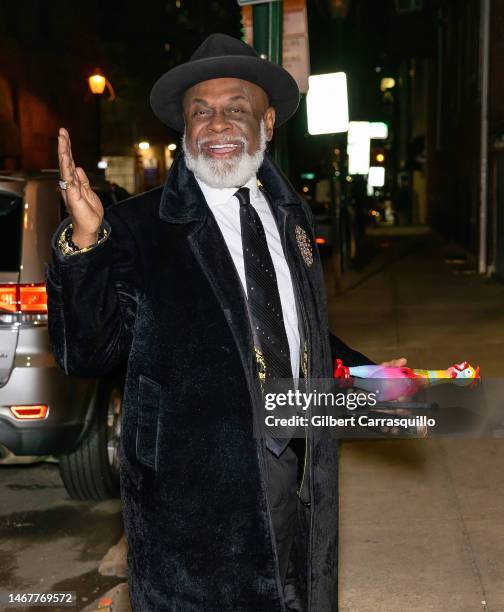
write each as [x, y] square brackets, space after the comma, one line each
[27, 297]
[38, 411]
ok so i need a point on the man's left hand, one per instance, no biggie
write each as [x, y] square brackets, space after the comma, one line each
[395, 363]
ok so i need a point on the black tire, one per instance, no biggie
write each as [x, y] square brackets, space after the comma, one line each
[89, 472]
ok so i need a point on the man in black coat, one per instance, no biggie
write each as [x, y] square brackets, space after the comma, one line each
[208, 286]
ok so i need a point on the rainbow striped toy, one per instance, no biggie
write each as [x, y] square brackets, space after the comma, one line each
[403, 381]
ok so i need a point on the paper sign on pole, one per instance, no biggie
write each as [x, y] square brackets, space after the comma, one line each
[296, 54]
[295, 50]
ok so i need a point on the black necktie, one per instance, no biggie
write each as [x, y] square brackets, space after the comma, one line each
[263, 298]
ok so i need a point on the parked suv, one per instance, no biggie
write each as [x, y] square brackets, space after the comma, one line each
[44, 412]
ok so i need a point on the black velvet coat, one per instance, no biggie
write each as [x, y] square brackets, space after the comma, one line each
[162, 292]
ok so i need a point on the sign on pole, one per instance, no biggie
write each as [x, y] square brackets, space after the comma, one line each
[295, 51]
[358, 147]
[327, 103]
[378, 130]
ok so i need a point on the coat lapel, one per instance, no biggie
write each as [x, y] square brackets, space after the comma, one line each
[183, 202]
[212, 254]
[290, 216]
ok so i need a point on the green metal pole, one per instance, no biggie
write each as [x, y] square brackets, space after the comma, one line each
[335, 216]
[267, 21]
[275, 55]
[275, 31]
[260, 25]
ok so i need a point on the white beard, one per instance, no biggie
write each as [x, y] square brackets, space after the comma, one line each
[222, 173]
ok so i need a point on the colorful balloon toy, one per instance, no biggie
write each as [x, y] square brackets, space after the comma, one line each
[395, 382]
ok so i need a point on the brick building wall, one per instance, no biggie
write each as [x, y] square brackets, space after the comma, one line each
[47, 50]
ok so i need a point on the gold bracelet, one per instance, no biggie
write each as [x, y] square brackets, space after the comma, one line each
[68, 247]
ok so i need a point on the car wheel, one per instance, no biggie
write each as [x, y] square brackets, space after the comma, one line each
[91, 472]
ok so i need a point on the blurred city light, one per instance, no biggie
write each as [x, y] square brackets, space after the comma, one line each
[376, 177]
[387, 83]
[172, 146]
[144, 145]
[97, 82]
[102, 164]
[378, 129]
[359, 147]
[339, 8]
[327, 103]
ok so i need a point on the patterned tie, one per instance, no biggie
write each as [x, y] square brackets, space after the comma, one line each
[270, 337]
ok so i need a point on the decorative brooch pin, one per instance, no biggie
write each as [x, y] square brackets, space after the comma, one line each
[304, 245]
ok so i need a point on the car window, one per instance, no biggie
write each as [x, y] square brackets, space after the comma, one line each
[11, 213]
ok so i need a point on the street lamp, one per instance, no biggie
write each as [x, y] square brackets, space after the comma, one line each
[97, 84]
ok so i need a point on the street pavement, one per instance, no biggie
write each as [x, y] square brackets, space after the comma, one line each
[51, 543]
[422, 521]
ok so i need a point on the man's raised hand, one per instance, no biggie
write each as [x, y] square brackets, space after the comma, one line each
[84, 206]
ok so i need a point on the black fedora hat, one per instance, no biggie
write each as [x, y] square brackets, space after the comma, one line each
[217, 57]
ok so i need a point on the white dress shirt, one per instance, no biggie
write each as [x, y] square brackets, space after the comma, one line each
[226, 210]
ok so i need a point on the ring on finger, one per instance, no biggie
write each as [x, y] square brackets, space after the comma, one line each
[64, 185]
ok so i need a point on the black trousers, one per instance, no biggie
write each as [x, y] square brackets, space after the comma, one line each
[289, 517]
[282, 485]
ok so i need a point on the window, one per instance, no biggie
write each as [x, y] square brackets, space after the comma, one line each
[11, 213]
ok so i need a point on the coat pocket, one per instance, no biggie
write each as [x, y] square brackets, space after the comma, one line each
[149, 399]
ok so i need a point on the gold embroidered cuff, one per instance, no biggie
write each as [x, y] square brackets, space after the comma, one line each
[67, 247]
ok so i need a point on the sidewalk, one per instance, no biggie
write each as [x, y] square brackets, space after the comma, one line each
[422, 521]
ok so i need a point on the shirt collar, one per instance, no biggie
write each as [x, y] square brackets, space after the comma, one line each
[216, 197]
